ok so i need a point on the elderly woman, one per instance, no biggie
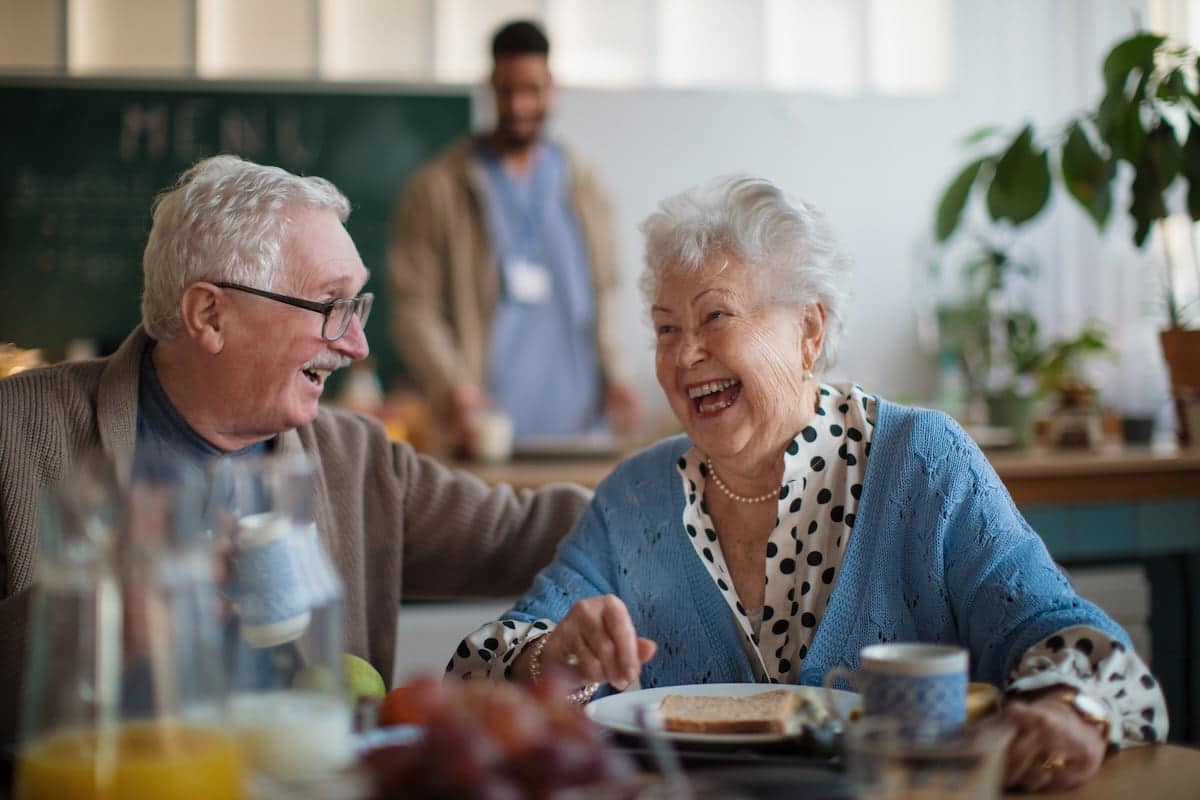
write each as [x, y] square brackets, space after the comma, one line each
[798, 521]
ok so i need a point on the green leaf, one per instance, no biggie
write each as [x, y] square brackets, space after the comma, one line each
[1021, 184]
[975, 137]
[1173, 88]
[986, 269]
[1136, 52]
[1062, 356]
[1154, 172]
[1119, 122]
[1189, 167]
[1164, 148]
[1021, 328]
[1087, 175]
[954, 200]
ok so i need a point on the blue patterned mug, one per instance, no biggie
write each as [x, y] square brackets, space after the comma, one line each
[924, 685]
[272, 594]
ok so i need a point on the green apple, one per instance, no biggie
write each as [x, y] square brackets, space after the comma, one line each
[359, 679]
[362, 680]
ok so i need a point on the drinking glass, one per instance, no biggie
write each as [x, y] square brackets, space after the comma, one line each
[124, 683]
[285, 642]
[892, 759]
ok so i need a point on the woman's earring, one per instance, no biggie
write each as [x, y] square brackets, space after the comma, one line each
[808, 373]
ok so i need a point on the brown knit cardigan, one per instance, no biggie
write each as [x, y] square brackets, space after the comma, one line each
[390, 518]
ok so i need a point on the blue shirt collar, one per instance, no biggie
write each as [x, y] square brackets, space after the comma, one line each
[162, 429]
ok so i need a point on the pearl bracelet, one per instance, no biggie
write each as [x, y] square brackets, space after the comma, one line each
[535, 659]
[580, 696]
[583, 695]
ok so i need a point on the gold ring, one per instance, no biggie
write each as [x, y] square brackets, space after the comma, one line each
[1055, 762]
[571, 660]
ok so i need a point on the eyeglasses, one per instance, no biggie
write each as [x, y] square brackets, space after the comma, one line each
[337, 313]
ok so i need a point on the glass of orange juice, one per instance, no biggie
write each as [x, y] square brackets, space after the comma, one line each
[143, 760]
[125, 685]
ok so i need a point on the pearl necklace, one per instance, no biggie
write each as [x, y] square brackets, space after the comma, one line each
[737, 498]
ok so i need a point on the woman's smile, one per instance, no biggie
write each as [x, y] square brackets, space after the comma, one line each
[710, 398]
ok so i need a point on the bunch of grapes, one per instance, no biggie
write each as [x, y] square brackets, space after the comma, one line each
[495, 741]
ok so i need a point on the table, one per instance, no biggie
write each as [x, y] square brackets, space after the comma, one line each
[1122, 505]
[1161, 772]
[1158, 772]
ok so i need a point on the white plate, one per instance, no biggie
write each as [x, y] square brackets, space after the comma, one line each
[617, 711]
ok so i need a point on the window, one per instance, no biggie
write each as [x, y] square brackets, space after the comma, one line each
[840, 47]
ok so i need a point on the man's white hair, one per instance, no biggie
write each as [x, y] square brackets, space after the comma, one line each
[225, 220]
[790, 246]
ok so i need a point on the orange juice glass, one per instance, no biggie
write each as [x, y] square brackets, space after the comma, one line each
[125, 683]
[135, 761]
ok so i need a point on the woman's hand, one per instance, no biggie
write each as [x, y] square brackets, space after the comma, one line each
[1052, 747]
[595, 642]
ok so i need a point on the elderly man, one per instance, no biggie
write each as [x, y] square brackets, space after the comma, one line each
[251, 299]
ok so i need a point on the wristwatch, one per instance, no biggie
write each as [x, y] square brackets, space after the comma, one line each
[1091, 710]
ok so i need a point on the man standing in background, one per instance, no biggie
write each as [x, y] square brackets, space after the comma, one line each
[503, 267]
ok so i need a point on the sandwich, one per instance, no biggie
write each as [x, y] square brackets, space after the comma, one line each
[765, 712]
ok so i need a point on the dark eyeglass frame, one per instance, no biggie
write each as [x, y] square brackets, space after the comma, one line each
[362, 306]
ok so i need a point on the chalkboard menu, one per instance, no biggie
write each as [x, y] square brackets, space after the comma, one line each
[81, 162]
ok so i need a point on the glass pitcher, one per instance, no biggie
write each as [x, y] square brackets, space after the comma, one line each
[285, 647]
[125, 686]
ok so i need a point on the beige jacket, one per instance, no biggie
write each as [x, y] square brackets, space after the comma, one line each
[445, 283]
[392, 520]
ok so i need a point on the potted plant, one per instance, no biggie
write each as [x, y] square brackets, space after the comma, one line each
[1147, 121]
[970, 316]
[1032, 370]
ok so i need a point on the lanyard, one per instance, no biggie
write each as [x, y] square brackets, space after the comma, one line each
[529, 214]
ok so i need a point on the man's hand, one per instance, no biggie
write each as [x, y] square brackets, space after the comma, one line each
[1052, 747]
[622, 407]
[596, 643]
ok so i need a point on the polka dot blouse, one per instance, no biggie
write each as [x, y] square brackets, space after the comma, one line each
[1096, 665]
[818, 500]
[823, 469]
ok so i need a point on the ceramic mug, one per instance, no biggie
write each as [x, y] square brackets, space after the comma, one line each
[491, 436]
[921, 684]
[271, 585]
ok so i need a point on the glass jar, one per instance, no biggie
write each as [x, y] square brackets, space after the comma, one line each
[125, 684]
[285, 644]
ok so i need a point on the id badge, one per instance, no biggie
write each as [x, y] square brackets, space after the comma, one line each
[528, 281]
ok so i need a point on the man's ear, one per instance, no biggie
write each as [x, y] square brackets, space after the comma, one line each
[202, 308]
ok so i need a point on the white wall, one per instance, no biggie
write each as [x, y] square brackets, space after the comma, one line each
[875, 164]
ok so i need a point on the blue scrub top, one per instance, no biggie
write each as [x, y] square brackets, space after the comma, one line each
[543, 369]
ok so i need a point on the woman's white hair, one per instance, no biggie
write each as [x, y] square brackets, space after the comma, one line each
[789, 245]
[225, 220]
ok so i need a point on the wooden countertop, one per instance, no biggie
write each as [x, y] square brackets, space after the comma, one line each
[1033, 477]
[1162, 772]
[1118, 474]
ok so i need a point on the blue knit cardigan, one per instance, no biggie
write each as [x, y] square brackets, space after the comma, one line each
[939, 553]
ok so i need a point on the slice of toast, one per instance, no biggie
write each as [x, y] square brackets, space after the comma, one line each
[765, 712]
